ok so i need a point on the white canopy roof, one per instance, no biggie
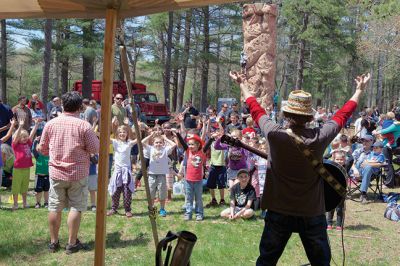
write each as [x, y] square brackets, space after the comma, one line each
[93, 8]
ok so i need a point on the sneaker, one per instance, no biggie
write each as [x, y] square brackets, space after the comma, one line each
[339, 228]
[213, 203]
[46, 205]
[199, 218]
[111, 212]
[329, 227]
[54, 247]
[163, 213]
[128, 214]
[37, 205]
[93, 208]
[363, 199]
[69, 249]
[187, 217]
[222, 203]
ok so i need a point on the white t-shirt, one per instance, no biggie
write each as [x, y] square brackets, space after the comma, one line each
[357, 126]
[158, 160]
[122, 152]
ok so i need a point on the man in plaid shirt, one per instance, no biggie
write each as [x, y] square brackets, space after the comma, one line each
[68, 141]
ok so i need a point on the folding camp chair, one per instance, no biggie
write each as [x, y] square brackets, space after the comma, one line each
[375, 186]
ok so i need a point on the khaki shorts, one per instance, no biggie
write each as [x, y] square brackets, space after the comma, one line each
[158, 182]
[68, 194]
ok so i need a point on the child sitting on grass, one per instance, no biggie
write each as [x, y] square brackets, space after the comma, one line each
[242, 197]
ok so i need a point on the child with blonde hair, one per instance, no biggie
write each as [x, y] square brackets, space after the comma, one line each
[121, 180]
[22, 144]
[158, 167]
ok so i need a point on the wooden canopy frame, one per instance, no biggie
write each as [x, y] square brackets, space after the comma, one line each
[112, 11]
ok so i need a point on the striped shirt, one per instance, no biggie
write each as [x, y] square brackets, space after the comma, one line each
[68, 141]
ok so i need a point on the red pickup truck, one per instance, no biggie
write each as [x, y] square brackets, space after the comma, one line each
[150, 108]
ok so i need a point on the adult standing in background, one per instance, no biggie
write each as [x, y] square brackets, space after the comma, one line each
[5, 116]
[117, 110]
[68, 141]
[90, 114]
[56, 110]
[21, 112]
[190, 115]
[39, 104]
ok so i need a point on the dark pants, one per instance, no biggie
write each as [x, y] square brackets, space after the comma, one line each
[389, 179]
[278, 229]
[127, 196]
[339, 215]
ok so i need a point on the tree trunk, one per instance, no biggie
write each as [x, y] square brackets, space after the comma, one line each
[176, 64]
[300, 61]
[185, 60]
[218, 68]
[56, 72]
[65, 63]
[3, 71]
[167, 67]
[195, 63]
[87, 60]
[379, 87]
[205, 64]
[48, 28]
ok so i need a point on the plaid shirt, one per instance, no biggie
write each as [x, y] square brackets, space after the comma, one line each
[68, 141]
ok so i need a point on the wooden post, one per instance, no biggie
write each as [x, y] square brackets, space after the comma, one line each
[152, 214]
[105, 123]
[259, 35]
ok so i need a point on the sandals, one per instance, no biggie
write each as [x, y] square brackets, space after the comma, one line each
[111, 212]
[129, 215]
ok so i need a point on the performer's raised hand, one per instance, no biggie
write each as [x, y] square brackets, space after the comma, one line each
[242, 81]
[362, 81]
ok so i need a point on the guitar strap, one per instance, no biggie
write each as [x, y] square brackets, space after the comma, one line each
[317, 164]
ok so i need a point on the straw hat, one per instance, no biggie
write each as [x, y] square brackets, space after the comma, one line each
[299, 103]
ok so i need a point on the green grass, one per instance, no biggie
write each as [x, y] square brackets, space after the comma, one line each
[369, 238]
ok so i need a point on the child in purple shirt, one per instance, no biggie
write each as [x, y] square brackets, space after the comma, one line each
[237, 157]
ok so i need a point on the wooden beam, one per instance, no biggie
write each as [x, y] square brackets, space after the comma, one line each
[151, 209]
[105, 125]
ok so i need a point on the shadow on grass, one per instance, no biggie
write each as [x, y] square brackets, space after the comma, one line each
[362, 227]
[114, 241]
[23, 249]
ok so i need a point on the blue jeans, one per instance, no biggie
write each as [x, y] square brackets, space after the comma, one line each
[278, 229]
[366, 174]
[194, 189]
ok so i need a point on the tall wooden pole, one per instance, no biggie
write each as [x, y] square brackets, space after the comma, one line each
[105, 123]
[152, 211]
[259, 34]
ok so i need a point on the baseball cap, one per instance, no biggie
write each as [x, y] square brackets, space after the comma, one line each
[243, 171]
[378, 144]
[368, 137]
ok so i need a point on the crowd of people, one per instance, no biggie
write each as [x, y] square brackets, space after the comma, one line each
[63, 139]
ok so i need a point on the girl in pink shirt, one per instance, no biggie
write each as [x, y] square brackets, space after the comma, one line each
[21, 145]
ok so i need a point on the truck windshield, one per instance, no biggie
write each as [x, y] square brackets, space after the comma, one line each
[148, 98]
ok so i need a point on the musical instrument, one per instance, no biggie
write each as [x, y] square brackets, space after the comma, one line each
[332, 197]
[182, 251]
